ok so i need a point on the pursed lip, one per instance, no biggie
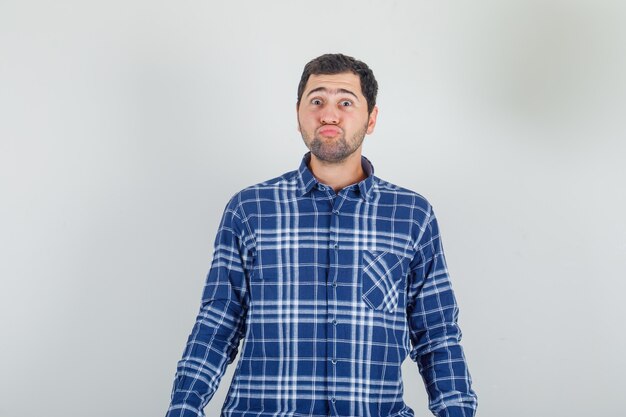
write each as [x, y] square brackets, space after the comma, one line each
[329, 130]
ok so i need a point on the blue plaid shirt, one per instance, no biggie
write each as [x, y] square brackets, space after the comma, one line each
[330, 292]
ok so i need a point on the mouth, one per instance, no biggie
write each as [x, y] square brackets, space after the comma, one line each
[329, 131]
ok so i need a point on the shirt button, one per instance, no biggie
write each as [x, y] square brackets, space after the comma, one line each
[336, 211]
[334, 284]
[335, 245]
[334, 361]
[332, 400]
[334, 322]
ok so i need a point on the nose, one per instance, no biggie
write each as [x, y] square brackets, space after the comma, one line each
[329, 116]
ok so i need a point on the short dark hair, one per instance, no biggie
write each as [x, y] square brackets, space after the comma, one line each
[329, 64]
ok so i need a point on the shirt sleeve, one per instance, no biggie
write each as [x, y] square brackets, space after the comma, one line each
[220, 323]
[432, 314]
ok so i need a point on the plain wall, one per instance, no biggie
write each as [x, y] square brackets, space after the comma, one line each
[125, 127]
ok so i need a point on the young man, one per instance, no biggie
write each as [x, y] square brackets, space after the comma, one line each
[331, 276]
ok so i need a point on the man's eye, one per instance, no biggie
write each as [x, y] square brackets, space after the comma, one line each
[346, 103]
[316, 101]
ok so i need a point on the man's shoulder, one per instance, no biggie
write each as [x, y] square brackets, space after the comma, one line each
[392, 193]
[264, 190]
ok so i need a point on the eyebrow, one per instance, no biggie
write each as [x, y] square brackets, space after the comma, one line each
[332, 91]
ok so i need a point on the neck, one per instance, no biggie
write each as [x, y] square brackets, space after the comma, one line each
[338, 175]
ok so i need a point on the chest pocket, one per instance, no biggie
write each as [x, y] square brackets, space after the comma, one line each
[381, 281]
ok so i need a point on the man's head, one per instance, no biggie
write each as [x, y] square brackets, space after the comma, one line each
[336, 106]
[329, 64]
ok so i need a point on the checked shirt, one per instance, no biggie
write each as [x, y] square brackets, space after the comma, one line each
[325, 294]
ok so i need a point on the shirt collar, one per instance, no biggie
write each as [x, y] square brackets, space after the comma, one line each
[306, 179]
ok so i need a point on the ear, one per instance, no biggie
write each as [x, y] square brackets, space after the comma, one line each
[371, 123]
[297, 118]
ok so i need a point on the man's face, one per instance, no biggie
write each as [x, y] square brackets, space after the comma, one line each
[332, 116]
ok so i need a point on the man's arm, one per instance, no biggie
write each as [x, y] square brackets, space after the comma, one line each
[220, 324]
[435, 336]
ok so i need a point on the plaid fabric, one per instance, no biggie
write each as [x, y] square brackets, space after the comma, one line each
[330, 292]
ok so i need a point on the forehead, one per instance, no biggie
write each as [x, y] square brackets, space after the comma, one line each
[346, 80]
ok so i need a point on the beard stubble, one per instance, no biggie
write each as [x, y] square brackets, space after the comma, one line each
[336, 149]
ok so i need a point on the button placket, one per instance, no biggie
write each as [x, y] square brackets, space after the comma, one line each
[334, 246]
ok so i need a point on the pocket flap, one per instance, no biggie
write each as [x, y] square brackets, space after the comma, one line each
[381, 277]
